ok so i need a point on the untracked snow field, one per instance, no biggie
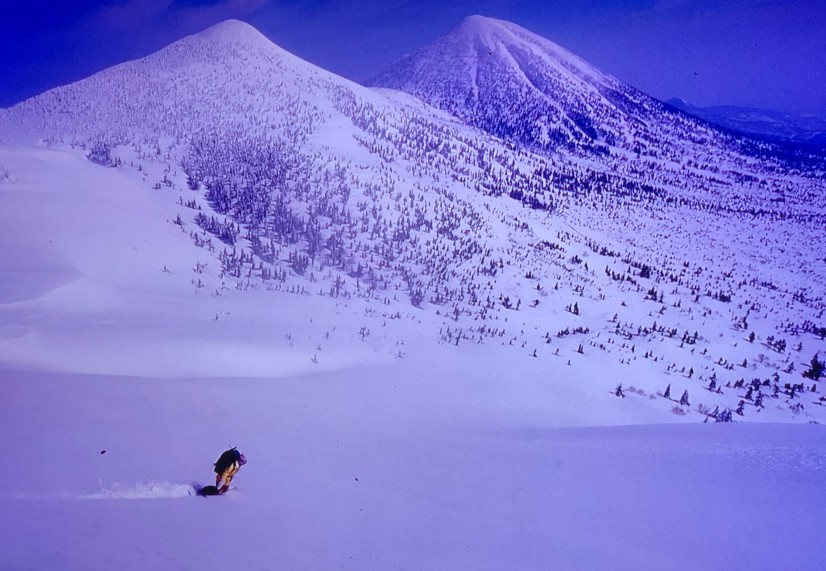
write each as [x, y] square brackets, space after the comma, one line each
[371, 445]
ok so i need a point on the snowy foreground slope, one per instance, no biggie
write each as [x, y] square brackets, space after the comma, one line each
[383, 468]
[223, 245]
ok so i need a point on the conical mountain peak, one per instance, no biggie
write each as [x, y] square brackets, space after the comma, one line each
[493, 34]
[508, 81]
[520, 86]
[233, 31]
[477, 23]
[213, 77]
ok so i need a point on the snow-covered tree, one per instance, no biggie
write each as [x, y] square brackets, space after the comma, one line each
[816, 369]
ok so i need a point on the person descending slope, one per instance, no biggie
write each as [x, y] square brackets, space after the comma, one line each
[226, 467]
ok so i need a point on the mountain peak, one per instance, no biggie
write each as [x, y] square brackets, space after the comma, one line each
[163, 92]
[476, 19]
[492, 31]
[233, 31]
[477, 22]
[508, 81]
[481, 30]
[477, 39]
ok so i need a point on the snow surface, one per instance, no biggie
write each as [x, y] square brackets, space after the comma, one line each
[374, 468]
[382, 435]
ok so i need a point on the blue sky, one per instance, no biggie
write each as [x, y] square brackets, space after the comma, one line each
[763, 53]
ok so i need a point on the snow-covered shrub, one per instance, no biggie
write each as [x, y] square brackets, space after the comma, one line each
[100, 153]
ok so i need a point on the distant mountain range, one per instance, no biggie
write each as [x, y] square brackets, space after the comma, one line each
[808, 129]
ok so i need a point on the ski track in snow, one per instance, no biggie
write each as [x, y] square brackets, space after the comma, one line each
[142, 491]
[147, 491]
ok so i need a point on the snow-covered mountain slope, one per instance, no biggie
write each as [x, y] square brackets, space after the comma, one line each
[806, 129]
[522, 87]
[269, 174]
[227, 74]
[525, 89]
[404, 322]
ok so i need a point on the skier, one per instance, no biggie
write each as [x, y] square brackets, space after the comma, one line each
[226, 467]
